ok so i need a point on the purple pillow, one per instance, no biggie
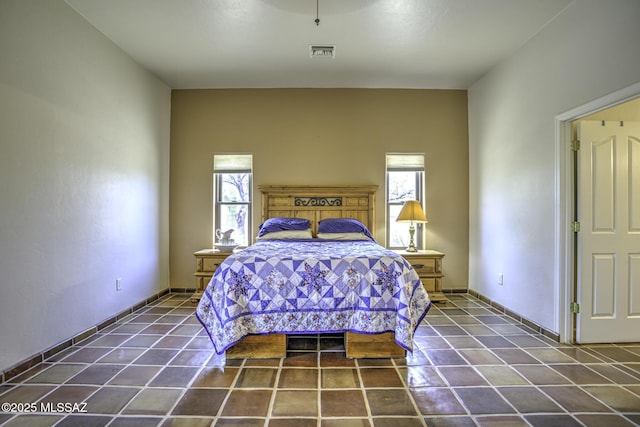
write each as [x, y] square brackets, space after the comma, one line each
[282, 224]
[343, 225]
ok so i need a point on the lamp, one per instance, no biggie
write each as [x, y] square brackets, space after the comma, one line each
[411, 212]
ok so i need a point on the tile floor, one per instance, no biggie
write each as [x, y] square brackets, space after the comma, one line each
[472, 367]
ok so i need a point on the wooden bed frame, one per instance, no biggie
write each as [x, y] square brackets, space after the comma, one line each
[316, 203]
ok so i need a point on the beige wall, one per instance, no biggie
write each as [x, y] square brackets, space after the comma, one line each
[319, 136]
[627, 111]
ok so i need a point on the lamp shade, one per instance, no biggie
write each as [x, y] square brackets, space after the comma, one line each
[411, 212]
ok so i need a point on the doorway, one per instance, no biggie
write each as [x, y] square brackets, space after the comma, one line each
[620, 106]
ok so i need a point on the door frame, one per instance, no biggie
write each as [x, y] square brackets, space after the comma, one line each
[564, 238]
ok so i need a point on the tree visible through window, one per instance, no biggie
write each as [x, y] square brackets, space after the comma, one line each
[232, 195]
[405, 181]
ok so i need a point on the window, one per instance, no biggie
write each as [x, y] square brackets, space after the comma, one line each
[232, 183]
[405, 181]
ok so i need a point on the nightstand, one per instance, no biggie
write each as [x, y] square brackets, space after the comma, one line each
[207, 261]
[428, 265]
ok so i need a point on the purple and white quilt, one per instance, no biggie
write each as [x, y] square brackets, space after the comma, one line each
[312, 286]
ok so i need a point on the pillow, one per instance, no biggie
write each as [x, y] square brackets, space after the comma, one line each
[343, 225]
[282, 224]
[343, 236]
[286, 234]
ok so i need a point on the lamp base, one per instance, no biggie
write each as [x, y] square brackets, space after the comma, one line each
[412, 245]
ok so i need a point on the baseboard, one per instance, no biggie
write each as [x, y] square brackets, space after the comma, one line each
[40, 357]
[546, 332]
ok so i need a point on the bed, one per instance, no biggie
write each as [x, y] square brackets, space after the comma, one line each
[312, 272]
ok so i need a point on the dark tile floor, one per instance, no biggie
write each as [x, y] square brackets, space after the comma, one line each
[472, 367]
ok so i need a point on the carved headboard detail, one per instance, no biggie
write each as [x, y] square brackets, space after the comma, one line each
[319, 202]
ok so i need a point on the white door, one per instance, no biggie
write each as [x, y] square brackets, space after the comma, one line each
[609, 238]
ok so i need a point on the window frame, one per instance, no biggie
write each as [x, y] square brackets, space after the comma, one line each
[218, 203]
[418, 169]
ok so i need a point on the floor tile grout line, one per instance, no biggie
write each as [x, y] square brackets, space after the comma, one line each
[489, 382]
[274, 391]
[408, 391]
[497, 389]
[184, 389]
[319, 384]
[489, 385]
[143, 387]
[363, 392]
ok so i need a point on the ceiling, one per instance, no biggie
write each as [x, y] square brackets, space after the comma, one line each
[435, 44]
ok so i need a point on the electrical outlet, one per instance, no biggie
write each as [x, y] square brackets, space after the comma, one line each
[118, 284]
[500, 279]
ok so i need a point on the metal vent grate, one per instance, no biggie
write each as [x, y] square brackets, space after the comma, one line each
[322, 51]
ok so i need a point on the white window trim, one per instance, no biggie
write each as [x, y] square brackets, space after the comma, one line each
[407, 162]
[229, 163]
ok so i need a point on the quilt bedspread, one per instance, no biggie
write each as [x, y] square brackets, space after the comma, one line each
[311, 286]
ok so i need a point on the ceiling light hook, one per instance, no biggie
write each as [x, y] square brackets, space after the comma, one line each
[317, 20]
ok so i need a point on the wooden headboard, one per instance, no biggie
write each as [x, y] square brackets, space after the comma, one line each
[319, 202]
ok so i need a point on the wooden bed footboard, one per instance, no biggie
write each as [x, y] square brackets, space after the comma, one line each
[360, 346]
[273, 346]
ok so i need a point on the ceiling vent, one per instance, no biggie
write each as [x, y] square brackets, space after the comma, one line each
[322, 51]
